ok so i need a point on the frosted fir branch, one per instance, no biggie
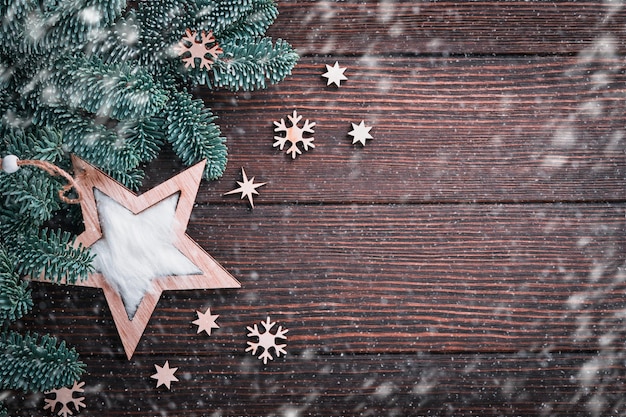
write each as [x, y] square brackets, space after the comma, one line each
[252, 64]
[145, 136]
[53, 255]
[36, 363]
[236, 19]
[115, 91]
[194, 135]
[30, 194]
[34, 143]
[15, 296]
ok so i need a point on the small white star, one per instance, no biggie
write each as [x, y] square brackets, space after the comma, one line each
[360, 133]
[246, 187]
[206, 321]
[334, 74]
[164, 375]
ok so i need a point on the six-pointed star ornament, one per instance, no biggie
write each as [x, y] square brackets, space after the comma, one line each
[164, 375]
[206, 321]
[115, 217]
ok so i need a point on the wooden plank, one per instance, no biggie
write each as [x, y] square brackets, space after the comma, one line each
[444, 27]
[536, 129]
[410, 385]
[400, 278]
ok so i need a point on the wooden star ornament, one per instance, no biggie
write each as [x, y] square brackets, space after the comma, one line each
[334, 74]
[199, 270]
[206, 321]
[247, 188]
[360, 133]
[164, 375]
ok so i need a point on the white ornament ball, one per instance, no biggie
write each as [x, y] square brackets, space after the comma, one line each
[9, 164]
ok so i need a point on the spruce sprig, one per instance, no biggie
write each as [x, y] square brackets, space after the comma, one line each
[32, 362]
[15, 297]
[194, 135]
[53, 255]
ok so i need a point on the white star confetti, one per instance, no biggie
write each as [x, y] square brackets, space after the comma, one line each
[360, 133]
[247, 187]
[206, 321]
[164, 375]
[334, 74]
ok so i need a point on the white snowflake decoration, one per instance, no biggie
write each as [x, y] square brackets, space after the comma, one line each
[191, 48]
[65, 397]
[294, 135]
[267, 340]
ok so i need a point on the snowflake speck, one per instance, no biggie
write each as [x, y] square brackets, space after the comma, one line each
[294, 134]
[267, 340]
[65, 397]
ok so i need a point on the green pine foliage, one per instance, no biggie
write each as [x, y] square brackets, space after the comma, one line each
[100, 79]
[51, 253]
[189, 123]
[15, 298]
[36, 363]
[94, 70]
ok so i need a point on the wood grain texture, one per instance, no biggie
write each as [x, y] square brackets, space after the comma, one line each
[447, 27]
[362, 279]
[573, 385]
[468, 261]
[535, 129]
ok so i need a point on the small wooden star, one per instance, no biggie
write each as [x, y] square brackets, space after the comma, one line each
[164, 375]
[210, 275]
[334, 74]
[360, 133]
[246, 187]
[206, 321]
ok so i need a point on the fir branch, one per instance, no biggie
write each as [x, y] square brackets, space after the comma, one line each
[119, 92]
[194, 136]
[131, 179]
[145, 136]
[35, 143]
[249, 64]
[37, 363]
[98, 144]
[29, 193]
[54, 255]
[236, 19]
[161, 25]
[13, 224]
[120, 43]
[15, 296]
[70, 24]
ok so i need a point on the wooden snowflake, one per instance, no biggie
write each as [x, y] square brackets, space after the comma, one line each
[294, 135]
[267, 340]
[65, 397]
[190, 48]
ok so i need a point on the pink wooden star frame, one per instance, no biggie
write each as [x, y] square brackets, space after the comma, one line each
[212, 275]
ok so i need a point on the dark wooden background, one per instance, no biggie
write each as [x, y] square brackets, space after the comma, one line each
[469, 260]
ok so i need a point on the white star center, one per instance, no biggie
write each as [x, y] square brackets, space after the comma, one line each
[137, 248]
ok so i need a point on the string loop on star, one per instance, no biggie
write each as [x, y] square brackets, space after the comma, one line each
[12, 163]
